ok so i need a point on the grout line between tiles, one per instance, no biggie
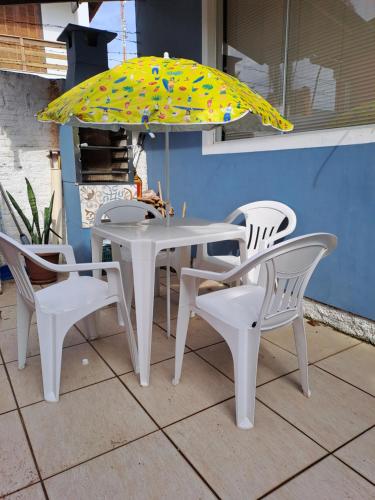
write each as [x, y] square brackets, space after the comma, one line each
[69, 392]
[197, 412]
[332, 453]
[335, 353]
[352, 439]
[204, 480]
[293, 477]
[317, 360]
[159, 428]
[232, 380]
[293, 425]
[101, 454]
[343, 380]
[355, 470]
[25, 488]
[25, 430]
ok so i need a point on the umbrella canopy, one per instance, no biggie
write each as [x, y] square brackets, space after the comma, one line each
[160, 94]
[157, 94]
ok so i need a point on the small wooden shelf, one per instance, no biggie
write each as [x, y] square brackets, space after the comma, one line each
[113, 148]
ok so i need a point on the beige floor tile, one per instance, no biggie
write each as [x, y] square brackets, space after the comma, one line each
[356, 366]
[107, 323]
[322, 340]
[200, 333]
[8, 318]
[83, 424]
[201, 386]
[360, 454]
[17, 468]
[7, 402]
[8, 342]
[335, 413]
[34, 492]
[27, 383]
[328, 480]
[272, 362]
[160, 308]
[150, 468]
[9, 295]
[115, 350]
[205, 287]
[243, 464]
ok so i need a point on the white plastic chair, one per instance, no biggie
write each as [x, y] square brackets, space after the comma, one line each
[240, 314]
[58, 307]
[262, 220]
[127, 211]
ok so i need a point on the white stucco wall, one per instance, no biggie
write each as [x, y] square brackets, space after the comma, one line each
[55, 16]
[24, 142]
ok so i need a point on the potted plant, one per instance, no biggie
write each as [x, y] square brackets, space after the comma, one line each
[37, 274]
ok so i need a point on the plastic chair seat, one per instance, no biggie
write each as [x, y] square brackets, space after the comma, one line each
[223, 261]
[72, 294]
[239, 306]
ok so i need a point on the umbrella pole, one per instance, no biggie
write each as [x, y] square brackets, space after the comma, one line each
[167, 206]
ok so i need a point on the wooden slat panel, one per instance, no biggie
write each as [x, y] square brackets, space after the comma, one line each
[35, 65]
[50, 55]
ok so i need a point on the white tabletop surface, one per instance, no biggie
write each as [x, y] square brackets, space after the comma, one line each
[180, 232]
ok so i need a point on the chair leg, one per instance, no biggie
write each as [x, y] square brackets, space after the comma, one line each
[24, 314]
[51, 336]
[301, 348]
[245, 356]
[181, 333]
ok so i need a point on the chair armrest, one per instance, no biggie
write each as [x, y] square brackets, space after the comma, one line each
[89, 266]
[71, 266]
[65, 250]
[232, 275]
[202, 274]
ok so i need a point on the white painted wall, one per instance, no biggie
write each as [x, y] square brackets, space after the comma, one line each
[55, 16]
[24, 142]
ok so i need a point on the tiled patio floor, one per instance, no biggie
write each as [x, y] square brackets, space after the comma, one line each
[109, 438]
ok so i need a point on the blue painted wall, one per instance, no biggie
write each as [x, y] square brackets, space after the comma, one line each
[330, 189]
[77, 236]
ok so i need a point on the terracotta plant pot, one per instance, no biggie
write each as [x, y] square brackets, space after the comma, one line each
[38, 275]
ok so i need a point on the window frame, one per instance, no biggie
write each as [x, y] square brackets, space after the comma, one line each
[211, 141]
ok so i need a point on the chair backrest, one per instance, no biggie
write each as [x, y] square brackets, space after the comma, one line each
[263, 220]
[14, 253]
[289, 267]
[125, 211]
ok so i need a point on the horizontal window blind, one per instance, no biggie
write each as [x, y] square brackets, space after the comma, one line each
[330, 60]
[253, 51]
[331, 64]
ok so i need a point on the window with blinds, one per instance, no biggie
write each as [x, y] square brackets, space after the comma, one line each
[314, 60]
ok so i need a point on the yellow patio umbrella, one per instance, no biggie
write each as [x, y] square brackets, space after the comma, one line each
[157, 93]
[160, 94]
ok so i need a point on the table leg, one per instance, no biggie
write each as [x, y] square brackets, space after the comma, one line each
[96, 253]
[243, 257]
[143, 258]
[184, 256]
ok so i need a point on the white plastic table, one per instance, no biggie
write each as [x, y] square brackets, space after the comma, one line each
[145, 240]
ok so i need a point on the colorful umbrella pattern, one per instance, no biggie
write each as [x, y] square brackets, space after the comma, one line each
[154, 93]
